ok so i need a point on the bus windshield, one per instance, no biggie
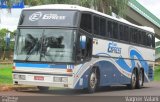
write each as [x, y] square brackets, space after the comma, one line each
[46, 45]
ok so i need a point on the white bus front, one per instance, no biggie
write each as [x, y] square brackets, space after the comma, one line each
[45, 48]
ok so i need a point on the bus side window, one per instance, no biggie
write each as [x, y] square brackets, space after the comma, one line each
[85, 48]
[96, 25]
[126, 33]
[138, 37]
[115, 31]
[144, 38]
[131, 35]
[86, 23]
[110, 29]
[121, 28]
[153, 41]
[149, 40]
[103, 27]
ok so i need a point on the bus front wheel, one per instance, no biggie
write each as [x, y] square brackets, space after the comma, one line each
[93, 81]
[42, 88]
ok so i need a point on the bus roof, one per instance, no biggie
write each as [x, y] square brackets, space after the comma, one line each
[80, 8]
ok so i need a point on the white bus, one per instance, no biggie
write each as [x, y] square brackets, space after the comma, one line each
[79, 48]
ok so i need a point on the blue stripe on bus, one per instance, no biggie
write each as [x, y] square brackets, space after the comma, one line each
[29, 65]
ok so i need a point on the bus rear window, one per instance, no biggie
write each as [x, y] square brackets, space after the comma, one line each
[49, 18]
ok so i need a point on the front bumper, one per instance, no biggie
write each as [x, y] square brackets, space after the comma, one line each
[50, 80]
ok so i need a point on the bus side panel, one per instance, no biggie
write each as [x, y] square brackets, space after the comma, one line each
[110, 73]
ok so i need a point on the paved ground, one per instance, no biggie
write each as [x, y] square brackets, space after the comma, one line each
[149, 89]
[107, 94]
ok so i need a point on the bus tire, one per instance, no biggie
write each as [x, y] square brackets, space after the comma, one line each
[43, 88]
[92, 81]
[139, 82]
[132, 84]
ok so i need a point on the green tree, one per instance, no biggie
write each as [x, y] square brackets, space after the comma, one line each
[3, 49]
[105, 6]
[109, 6]
[2, 37]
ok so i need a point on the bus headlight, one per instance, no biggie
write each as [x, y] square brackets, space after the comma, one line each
[60, 79]
[57, 79]
[64, 79]
[15, 76]
[22, 77]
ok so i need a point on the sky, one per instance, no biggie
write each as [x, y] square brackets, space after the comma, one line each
[9, 20]
[152, 5]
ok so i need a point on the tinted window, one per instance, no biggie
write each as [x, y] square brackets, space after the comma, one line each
[149, 40]
[153, 41]
[110, 29]
[121, 31]
[86, 22]
[102, 27]
[144, 37]
[138, 37]
[126, 33]
[132, 35]
[115, 30]
[96, 25]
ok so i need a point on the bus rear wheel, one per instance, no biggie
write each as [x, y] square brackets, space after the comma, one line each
[43, 88]
[92, 81]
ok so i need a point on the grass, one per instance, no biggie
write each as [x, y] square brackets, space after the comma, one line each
[5, 74]
[157, 73]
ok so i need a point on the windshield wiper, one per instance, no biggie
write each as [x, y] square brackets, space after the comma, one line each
[36, 47]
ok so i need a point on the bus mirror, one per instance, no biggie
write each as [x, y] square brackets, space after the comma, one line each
[83, 41]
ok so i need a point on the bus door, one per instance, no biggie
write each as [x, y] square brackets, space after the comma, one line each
[84, 47]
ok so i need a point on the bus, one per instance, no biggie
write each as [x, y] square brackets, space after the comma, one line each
[70, 46]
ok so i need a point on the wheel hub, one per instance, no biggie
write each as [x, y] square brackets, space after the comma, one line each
[93, 80]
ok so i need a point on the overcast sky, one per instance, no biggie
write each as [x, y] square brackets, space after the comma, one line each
[152, 5]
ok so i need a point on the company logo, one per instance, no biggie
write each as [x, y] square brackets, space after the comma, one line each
[113, 48]
[53, 16]
[35, 16]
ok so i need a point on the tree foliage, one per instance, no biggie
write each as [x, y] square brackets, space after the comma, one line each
[105, 6]
[2, 38]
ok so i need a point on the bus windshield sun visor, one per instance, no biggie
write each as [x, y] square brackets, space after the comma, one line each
[49, 18]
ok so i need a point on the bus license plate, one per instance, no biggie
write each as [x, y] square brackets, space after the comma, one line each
[38, 77]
